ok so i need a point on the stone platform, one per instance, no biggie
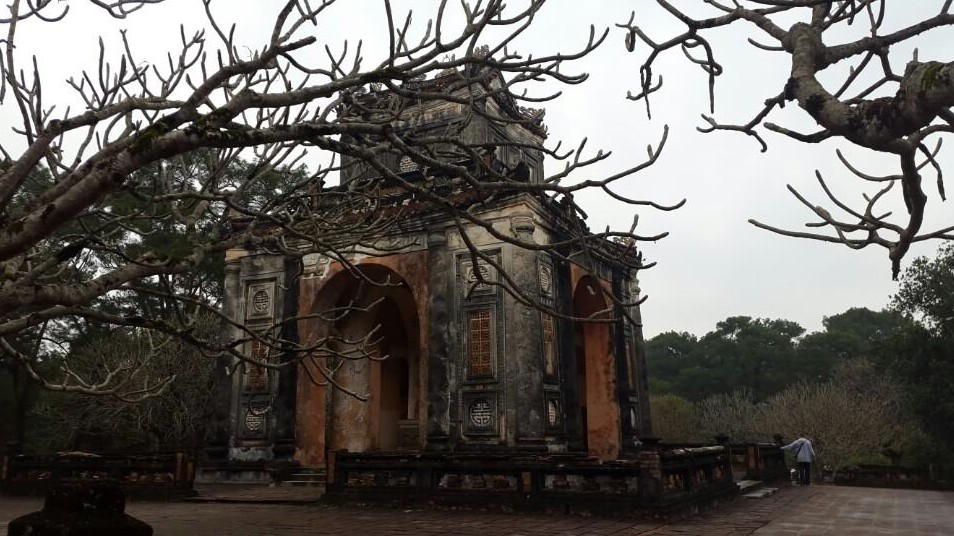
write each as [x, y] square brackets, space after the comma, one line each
[808, 511]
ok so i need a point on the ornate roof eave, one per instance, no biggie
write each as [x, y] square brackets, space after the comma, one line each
[451, 79]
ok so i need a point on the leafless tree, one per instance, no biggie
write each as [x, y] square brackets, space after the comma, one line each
[673, 418]
[132, 360]
[876, 103]
[734, 414]
[89, 197]
[841, 422]
[858, 412]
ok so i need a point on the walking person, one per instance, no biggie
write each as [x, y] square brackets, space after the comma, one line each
[804, 455]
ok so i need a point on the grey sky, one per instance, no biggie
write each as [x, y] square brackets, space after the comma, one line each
[714, 264]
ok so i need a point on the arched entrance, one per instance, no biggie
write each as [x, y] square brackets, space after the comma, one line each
[596, 371]
[397, 409]
[374, 338]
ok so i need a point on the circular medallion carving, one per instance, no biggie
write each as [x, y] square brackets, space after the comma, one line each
[254, 422]
[481, 274]
[260, 302]
[546, 279]
[480, 413]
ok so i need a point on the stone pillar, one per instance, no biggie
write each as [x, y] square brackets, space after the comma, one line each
[287, 389]
[625, 391]
[217, 441]
[524, 361]
[639, 357]
[650, 469]
[569, 375]
[352, 430]
[440, 272]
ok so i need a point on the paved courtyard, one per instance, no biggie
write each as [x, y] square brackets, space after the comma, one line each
[818, 510]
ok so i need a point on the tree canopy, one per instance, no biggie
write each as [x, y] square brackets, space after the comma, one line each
[922, 355]
[764, 356]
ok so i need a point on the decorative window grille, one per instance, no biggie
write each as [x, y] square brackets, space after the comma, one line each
[480, 343]
[256, 378]
[549, 353]
[406, 164]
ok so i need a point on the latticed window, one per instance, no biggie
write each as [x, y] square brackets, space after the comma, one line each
[480, 340]
[549, 352]
[256, 378]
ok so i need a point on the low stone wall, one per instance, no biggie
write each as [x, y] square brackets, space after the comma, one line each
[140, 475]
[695, 478]
[759, 461]
[887, 476]
[244, 472]
[657, 482]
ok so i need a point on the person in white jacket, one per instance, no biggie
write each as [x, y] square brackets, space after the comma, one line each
[804, 455]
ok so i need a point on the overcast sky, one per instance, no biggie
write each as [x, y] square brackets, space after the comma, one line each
[714, 264]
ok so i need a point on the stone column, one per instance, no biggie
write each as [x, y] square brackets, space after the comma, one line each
[352, 418]
[639, 357]
[569, 375]
[626, 391]
[650, 470]
[217, 441]
[524, 339]
[439, 373]
[287, 388]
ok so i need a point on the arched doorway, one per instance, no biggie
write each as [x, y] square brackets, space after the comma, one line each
[396, 408]
[596, 371]
[374, 338]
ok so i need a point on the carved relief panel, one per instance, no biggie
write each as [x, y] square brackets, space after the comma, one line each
[481, 340]
[260, 300]
[257, 382]
[480, 413]
[477, 277]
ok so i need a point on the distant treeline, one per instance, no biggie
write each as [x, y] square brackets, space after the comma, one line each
[893, 368]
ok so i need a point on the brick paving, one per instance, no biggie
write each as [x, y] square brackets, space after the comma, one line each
[814, 511]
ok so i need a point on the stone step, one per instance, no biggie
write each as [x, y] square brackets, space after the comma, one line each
[760, 493]
[304, 483]
[306, 476]
[748, 486]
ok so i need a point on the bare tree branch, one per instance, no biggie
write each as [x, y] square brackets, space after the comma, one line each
[899, 124]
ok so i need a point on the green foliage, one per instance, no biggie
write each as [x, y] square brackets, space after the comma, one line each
[172, 420]
[922, 354]
[870, 328]
[764, 356]
[750, 378]
[160, 213]
[741, 352]
[924, 361]
[926, 292]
